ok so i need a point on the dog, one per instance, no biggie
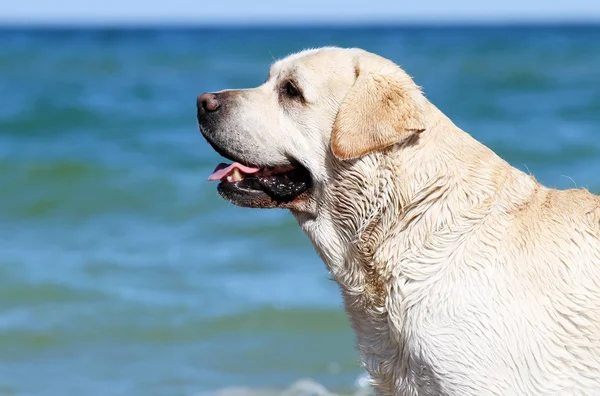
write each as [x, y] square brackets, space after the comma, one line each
[460, 274]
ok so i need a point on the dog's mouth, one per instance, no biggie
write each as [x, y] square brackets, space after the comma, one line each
[262, 187]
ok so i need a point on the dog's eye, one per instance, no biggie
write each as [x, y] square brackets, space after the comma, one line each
[291, 90]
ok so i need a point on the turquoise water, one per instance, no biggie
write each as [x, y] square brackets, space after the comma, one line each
[121, 270]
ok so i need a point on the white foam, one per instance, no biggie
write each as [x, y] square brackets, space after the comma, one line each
[304, 387]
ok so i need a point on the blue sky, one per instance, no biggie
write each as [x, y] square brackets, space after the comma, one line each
[285, 11]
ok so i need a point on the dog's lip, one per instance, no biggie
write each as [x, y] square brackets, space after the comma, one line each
[278, 187]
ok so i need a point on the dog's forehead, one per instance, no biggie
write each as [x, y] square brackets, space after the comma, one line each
[320, 59]
[289, 65]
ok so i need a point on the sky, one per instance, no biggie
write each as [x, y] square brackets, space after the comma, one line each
[282, 12]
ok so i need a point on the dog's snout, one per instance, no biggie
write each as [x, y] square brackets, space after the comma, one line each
[208, 102]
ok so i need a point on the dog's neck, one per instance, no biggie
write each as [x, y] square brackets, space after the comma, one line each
[388, 205]
[425, 184]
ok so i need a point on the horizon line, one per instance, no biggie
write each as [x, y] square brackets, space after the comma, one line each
[312, 23]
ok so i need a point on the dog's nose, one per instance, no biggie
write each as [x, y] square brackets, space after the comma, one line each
[208, 102]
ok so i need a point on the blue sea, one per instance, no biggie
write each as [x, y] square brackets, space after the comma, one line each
[122, 272]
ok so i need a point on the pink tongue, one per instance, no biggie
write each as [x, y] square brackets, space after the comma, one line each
[222, 170]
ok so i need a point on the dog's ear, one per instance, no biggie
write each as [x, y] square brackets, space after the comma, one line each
[383, 107]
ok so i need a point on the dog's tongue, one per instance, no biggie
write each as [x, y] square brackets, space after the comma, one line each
[222, 170]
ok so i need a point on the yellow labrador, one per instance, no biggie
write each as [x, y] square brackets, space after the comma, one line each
[461, 275]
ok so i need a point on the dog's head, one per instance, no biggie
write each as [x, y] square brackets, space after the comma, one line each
[316, 108]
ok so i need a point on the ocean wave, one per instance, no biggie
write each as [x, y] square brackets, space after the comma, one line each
[303, 387]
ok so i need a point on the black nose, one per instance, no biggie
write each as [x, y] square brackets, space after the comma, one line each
[208, 103]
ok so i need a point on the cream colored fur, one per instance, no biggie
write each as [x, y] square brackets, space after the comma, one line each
[461, 275]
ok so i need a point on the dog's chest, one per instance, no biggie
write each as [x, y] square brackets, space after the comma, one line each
[403, 308]
[391, 343]
[418, 340]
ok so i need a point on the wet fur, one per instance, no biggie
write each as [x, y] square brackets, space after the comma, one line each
[461, 275]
